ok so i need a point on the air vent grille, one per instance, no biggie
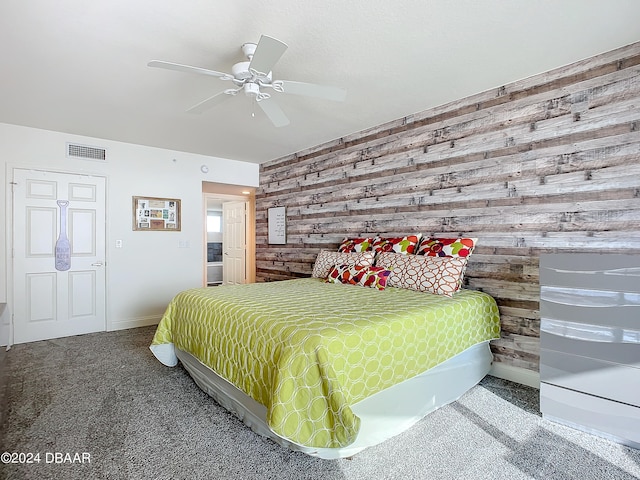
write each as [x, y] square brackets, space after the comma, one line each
[84, 151]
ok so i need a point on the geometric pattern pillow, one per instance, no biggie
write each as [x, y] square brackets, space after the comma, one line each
[375, 277]
[439, 275]
[355, 245]
[327, 259]
[447, 247]
[405, 245]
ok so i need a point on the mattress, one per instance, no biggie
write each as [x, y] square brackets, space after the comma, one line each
[308, 351]
[382, 415]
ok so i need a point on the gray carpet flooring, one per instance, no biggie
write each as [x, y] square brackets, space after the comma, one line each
[105, 400]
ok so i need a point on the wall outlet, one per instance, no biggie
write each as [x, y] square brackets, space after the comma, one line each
[118, 243]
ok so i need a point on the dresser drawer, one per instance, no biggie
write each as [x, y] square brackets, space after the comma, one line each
[616, 421]
[612, 272]
[604, 379]
[609, 309]
[599, 343]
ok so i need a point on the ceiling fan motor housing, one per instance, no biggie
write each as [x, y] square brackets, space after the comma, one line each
[240, 71]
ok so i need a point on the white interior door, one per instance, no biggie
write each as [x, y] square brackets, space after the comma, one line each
[234, 219]
[59, 287]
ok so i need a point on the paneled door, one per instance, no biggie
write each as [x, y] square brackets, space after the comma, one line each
[58, 255]
[234, 220]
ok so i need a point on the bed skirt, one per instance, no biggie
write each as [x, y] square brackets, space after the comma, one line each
[383, 415]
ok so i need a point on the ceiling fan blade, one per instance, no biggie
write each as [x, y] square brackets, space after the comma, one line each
[336, 94]
[274, 112]
[268, 52]
[211, 102]
[187, 68]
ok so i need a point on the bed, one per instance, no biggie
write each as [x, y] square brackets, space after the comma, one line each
[329, 369]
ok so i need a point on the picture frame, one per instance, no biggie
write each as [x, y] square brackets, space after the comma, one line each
[277, 225]
[156, 214]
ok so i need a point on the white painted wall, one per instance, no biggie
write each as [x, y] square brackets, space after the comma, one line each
[150, 268]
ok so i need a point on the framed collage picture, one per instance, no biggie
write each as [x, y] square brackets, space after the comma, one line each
[157, 214]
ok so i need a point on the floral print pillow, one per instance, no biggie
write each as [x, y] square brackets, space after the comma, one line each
[356, 245]
[373, 277]
[447, 247]
[406, 245]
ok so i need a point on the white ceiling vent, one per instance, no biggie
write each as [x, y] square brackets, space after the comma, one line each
[86, 152]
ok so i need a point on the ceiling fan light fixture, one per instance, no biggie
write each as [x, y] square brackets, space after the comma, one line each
[251, 89]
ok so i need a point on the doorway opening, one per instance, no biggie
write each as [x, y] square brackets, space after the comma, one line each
[229, 234]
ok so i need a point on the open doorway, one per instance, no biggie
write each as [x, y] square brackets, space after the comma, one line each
[214, 241]
[229, 253]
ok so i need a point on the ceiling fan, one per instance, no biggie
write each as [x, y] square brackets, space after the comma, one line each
[253, 77]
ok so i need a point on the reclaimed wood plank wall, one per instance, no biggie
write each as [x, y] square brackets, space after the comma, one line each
[546, 164]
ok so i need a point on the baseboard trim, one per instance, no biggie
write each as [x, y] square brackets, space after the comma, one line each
[515, 374]
[5, 326]
[5, 335]
[134, 323]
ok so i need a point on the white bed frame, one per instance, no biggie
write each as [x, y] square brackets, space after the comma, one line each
[383, 415]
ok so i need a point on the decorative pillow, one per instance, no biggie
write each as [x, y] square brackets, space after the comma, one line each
[355, 245]
[447, 247]
[439, 275]
[405, 245]
[375, 277]
[327, 259]
[345, 274]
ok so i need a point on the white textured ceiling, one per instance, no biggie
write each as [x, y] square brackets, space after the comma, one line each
[80, 66]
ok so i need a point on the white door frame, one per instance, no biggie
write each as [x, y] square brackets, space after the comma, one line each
[250, 232]
[10, 168]
[234, 244]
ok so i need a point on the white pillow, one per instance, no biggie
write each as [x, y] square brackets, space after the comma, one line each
[439, 275]
[327, 259]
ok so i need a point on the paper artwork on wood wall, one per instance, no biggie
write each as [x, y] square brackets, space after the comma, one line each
[277, 225]
[158, 214]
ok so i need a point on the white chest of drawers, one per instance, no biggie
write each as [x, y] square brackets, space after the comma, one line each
[590, 343]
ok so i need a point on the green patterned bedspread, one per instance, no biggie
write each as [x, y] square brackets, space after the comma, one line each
[307, 349]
